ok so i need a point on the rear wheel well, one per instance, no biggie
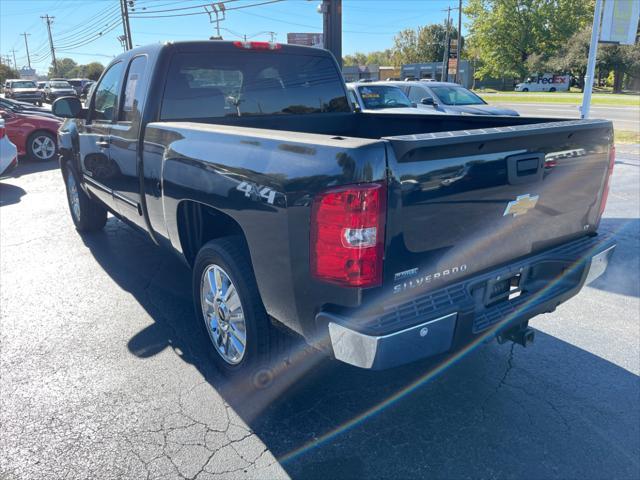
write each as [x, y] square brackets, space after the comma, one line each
[199, 223]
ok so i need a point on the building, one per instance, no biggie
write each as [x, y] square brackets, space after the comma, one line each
[27, 74]
[433, 70]
[370, 73]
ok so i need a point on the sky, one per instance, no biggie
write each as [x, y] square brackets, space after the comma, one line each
[368, 25]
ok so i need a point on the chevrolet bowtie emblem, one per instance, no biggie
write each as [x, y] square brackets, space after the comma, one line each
[521, 205]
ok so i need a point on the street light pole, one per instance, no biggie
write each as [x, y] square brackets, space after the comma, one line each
[591, 63]
[445, 57]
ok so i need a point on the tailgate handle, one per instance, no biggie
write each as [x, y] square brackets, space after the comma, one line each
[525, 168]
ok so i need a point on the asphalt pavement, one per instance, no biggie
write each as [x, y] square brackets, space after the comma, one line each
[103, 373]
[624, 118]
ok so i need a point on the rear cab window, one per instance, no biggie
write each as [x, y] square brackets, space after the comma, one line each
[233, 84]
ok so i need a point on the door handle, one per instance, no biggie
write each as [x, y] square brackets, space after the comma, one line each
[102, 143]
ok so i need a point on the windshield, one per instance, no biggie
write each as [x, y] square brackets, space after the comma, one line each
[75, 83]
[383, 96]
[60, 85]
[457, 96]
[23, 85]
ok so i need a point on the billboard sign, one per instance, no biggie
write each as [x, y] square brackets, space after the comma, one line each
[620, 21]
[307, 39]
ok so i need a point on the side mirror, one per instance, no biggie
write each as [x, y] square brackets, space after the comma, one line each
[428, 101]
[356, 108]
[68, 107]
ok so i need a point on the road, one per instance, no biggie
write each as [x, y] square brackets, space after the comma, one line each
[103, 374]
[624, 118]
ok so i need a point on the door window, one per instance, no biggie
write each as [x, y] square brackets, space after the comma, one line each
[105, 101]
[133, 91]
[417, 93]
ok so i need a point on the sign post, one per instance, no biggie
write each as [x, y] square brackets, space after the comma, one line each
[591, 63]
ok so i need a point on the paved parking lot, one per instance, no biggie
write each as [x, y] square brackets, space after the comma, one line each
[103, 374]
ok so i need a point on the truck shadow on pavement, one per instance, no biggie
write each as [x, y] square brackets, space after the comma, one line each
[553, 410]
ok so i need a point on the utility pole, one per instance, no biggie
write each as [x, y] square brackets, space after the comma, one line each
[332, 27]
[445, 57]
[15, 64]
[26, 44]
[49, 21]
[459, 46]
[124, 11]
[216, 10]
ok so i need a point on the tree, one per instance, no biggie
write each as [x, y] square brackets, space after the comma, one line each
[7, 72]
[426, 44]
[93, 70]
[65, 66]
[508, 32]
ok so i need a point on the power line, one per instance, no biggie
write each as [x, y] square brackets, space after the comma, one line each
[145, 15]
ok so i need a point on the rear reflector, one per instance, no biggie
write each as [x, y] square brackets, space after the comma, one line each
[258, 45]
[347, 235]
[607, 182]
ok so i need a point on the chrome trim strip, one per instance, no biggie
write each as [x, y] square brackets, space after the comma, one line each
[359, 349]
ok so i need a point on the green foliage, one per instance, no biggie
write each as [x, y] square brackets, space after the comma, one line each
[67, 68]
[384, 57]
[506, 33]
[7, 72]
[426, 44]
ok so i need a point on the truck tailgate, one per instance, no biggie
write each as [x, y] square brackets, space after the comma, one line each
[462, 202]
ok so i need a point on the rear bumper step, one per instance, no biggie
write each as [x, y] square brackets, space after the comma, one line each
[448, 319]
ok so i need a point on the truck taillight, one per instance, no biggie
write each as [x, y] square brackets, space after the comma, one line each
[258, 45]
[347, 235]
[607, 182]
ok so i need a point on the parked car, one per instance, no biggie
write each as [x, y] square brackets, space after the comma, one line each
[382, 98]
[87, 89]
[35, 136]
[23, 90]
[247, 161]
[449, 97]
[8, 152]
[78, 84]
[57, 88]
[24, 108]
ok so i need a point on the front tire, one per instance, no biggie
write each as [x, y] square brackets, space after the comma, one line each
[230, 311]
[42, 146]
[525, 89]
[87, 214]
[552, 89]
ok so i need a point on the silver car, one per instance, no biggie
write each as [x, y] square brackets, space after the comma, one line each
[446, 97]
[381, 98]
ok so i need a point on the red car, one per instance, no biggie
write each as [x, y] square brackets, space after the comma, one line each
[34, 136]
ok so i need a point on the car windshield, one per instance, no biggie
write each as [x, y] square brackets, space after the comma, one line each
[75, 83]
[60, 85]
[23, 85]
[456, 96]
[383, 96]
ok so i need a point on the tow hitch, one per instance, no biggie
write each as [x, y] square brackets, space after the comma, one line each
[522, 335]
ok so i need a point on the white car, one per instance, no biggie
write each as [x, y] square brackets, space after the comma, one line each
[382, 98]
[8, 152]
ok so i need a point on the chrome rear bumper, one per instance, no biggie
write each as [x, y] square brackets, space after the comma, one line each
[435, 336]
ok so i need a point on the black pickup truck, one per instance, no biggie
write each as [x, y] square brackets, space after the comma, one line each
[379, 238]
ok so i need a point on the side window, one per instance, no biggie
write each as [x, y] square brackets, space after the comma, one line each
[416, 94]
[133, 91]
[105, 101]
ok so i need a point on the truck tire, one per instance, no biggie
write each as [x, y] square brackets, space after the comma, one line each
[42, 146]
[230, 312]
[87, 214]
[525, 89]
[552, 89]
